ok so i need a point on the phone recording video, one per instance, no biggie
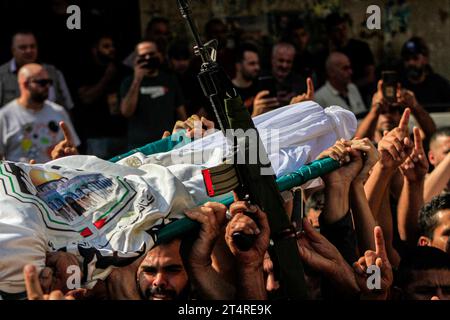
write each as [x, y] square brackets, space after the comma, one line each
[268, 83]
[390, 83]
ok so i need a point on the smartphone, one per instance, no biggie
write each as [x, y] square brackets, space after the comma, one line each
[390, 82]
[268, 83]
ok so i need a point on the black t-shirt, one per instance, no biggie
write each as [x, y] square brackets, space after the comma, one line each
[102, 118]
[290, 87]
[159, 97]
[433, 93]
[248, 95]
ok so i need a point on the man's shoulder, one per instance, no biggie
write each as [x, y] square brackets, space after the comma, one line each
[54, 107]
[323, 90]
[4, 68]
[9, 109]
[437, 78]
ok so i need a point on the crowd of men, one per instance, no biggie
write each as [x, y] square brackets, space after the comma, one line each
[388, 205]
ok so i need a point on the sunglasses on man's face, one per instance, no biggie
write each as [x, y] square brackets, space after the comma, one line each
[43, 82]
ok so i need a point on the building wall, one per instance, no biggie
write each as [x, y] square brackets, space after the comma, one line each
[429, 19]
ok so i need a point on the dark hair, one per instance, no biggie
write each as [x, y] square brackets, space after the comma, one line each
[428, 220]
[240, 51]
[155, 21]
[316, 201]
[95, 40]
[444, 131]
[24, 32]
[414, 46]
[420, 259]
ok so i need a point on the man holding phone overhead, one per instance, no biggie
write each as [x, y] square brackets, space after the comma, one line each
[151, 99]
[388, 104]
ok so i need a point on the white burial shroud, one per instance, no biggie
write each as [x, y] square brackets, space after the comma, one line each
[107, 213]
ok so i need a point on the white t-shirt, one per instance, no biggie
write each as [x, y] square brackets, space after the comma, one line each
[27, 134]
[328, 96]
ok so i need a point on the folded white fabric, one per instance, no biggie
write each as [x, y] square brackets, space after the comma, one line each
[292, 135]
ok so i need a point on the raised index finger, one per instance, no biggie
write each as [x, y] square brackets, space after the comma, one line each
[66, 132]
[405, 119]
[309, 88]
[380, 245]
[418, 143]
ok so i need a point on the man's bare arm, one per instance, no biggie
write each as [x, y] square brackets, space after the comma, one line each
[437, 180]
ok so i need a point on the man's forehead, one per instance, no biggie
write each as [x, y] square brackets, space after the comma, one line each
[24, 39]
[285, 51]
[147, 47]
[250, 55]
[169, 253]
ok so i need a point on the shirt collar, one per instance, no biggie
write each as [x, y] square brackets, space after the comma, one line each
[13, 66]
[334, 91]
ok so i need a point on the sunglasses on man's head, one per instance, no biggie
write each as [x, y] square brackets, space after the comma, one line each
[43, 82]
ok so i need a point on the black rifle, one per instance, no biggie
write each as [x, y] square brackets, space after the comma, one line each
[254, 187]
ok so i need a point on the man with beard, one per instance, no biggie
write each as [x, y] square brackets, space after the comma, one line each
[247, 71]
[24, 48]
[151, 99]
[99, 101]
[288, 83]
[430, 88]
[384, 116]
[30, 125]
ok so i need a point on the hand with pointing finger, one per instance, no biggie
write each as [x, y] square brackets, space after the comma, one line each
[67, 146]
[309, 95]
[395, 146]
[416, 165]
[379, 259]
[34, 289]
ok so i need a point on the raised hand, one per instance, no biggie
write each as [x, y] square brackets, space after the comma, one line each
[350, 159]
[194, 126]
[309, 95]
[378, 258]
[34, 290]
[257, 225]
[211, 216]
[416, 165]
[406, 98]
[322, 256]
[67, 146]
[371, 157]
[395, 145]
[262, 105]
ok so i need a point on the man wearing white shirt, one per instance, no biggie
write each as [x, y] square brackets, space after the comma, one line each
[339, 89]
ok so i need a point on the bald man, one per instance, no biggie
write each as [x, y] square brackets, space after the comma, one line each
[30, 124]
[339, 89]
[25, 50]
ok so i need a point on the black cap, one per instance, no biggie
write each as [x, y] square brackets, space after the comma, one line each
[413, 47]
